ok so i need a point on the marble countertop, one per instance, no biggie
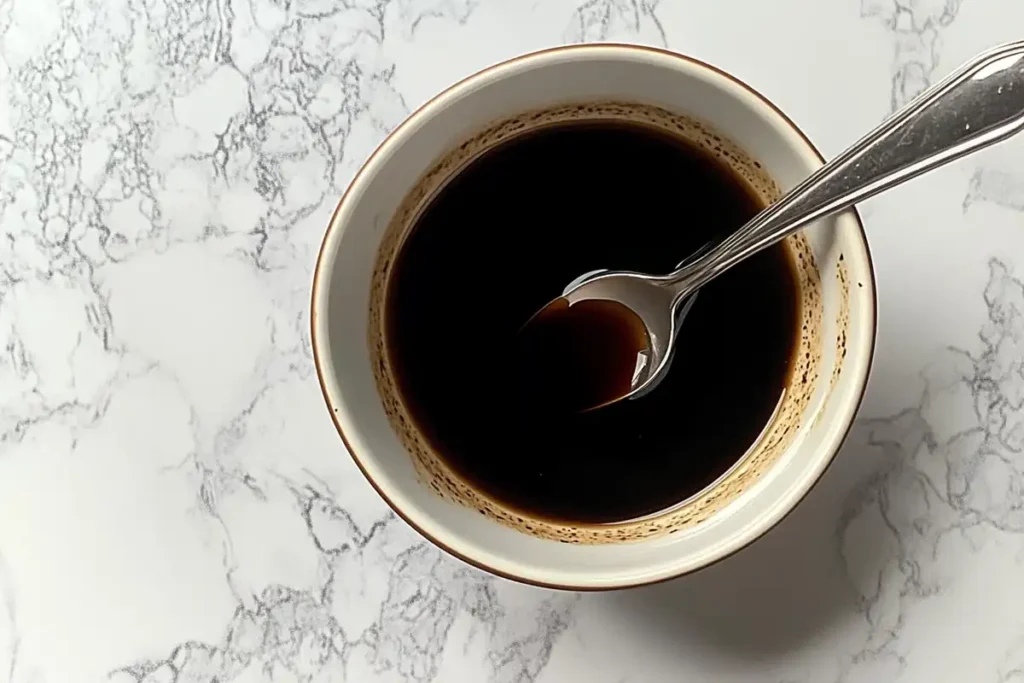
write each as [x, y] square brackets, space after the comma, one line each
[175, 506]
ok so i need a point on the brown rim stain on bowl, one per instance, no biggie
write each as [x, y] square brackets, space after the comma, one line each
[779, 434]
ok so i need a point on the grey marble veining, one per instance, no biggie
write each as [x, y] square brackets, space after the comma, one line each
[917, 28]
[174, 503]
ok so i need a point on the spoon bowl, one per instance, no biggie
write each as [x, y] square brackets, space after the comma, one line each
[653, 305]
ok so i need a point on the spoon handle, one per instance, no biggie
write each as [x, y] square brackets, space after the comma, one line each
[979, 104]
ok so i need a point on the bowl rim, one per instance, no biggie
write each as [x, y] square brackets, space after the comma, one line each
[411, 122]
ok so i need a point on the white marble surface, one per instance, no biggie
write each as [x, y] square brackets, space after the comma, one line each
[174, 503]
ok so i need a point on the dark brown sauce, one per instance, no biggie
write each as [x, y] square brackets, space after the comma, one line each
[503, 239]
[579, 357]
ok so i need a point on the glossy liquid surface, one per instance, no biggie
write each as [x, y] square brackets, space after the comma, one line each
[547, 207]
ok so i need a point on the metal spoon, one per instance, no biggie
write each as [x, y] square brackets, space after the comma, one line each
[979, 104]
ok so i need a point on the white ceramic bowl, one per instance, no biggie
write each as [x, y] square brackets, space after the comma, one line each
[341, 292]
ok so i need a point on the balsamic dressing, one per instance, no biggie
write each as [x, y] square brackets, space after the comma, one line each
[547, 206]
